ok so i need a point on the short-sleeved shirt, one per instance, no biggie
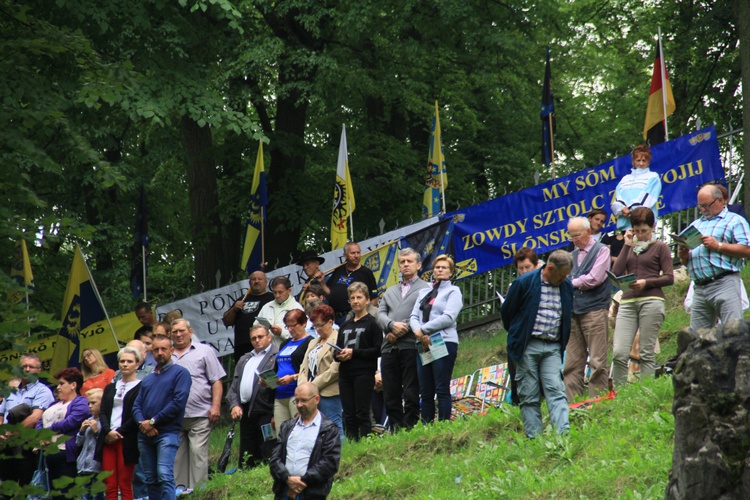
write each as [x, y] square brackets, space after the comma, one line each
[36, 395]
[245, 319]
[205, 369]
[339, 282]
[725, 227]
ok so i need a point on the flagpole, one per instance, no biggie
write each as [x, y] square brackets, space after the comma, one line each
[662, 67]
[351, 215]
[145, 286]
[99, 298]
[551, 146]
[262, 238]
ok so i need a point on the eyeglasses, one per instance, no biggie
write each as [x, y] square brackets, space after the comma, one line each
[318, 326]
[708, 205]
[574, 236]
[257, 338]
[297, 401]
[290, 325]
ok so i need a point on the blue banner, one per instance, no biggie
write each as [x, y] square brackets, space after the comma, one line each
[487, 235]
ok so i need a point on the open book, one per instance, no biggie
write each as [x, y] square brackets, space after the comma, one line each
[621, 282]
[689, 238]
[270, 378]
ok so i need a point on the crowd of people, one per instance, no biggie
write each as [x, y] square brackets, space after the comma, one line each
[311, 368]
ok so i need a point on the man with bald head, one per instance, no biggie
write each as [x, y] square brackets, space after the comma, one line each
[715, 265]
[589, 332]
[308, 450]
[242, 314]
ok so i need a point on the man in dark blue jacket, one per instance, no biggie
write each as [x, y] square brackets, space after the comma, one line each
[159, 410]
[537, 314]
[308, 451]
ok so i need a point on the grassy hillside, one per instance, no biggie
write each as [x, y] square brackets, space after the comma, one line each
[617, 449]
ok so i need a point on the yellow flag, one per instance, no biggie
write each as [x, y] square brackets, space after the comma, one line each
[84, 320]
[343, 197]
[383, 262]
[20, 272]
[437, 177]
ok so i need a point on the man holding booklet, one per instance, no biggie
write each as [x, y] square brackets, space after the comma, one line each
[715, 265]
[252, 402]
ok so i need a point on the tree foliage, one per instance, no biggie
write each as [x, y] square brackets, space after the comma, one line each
[99, 97]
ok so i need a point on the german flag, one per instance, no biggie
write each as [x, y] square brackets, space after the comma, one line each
[654, 130]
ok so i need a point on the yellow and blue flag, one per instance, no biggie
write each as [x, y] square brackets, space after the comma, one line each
[20, 272]
[432, 241]
[343, 197]
[84, 320]
[437, 177]
[252, 252]
[383, 262]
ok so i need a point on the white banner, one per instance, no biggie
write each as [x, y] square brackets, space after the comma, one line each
[205, 310]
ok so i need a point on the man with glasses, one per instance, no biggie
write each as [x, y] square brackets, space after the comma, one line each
[589, 333]
[25, 406]
[308, 451]
[715, 265]
[252, 402]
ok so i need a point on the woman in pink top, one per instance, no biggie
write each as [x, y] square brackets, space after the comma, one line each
[95, 371]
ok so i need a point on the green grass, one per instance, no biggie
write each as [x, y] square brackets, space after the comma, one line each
[616, 449]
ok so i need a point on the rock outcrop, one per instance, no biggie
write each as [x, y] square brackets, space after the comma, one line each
[711, 407]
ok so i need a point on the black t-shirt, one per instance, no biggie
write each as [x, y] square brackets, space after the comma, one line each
[615, 242]
[245, 319]
[339, 282]
[364, 338]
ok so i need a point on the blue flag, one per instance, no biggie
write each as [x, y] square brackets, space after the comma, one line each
[548, 116]
[253, 250]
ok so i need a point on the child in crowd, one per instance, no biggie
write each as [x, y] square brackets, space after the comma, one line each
[86, 441]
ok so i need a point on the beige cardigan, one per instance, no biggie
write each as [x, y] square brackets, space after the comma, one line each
[327, 380]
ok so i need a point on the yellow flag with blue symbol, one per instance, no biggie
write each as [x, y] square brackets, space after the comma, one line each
[84, 320]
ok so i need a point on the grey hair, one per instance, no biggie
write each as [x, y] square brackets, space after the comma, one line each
[405, 252]
[583, 221]
[183, 320]
[561, 259]
[130, 350]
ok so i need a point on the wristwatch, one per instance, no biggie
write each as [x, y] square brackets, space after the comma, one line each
[721, 244]
[152, 422]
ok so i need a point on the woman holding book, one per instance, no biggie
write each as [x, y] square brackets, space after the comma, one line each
[359, 339]
[320, 367]
[642, 306]
[288, 363]
[435, 312]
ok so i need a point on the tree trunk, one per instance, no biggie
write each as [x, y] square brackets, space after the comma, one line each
[203, 200]
[287, 160]
[742, 11]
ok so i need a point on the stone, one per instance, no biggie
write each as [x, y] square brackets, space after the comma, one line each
[711, 458]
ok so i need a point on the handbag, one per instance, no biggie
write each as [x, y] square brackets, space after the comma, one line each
[40, 479]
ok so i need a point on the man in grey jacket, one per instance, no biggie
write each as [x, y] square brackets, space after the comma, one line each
[398, 366]
[252, 403]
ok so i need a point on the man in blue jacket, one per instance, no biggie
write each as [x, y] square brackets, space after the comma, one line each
[537, 314]
[159, 410]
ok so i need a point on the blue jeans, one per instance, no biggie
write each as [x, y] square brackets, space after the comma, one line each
[330, 406]
[157, 462]
[435, 380]
[541, 365]
[140, 488]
